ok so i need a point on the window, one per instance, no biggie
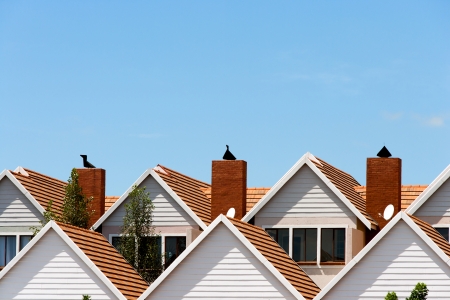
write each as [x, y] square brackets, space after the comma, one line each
[443, 231]
[24, 240]
[333, 245]
[305, 245]
[115, 241]
[281, 236]
[174, 246]
[7, 249]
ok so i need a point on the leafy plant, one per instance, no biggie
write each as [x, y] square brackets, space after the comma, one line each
[420, 292]
[86, 297]
[139, 242]
[391, 296]
[49, 215]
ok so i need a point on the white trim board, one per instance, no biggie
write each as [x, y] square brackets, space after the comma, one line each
[221, 220]
[161, 182]
[306, 159]
[400, 216]
[429, 191]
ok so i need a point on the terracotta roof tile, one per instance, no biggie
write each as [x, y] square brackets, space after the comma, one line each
[345, 183]
[435, 236]
[254, 194]
[108, 260]
[409, 193]
[278, 258]
[189, 190]
[109, 201]
[43, 188]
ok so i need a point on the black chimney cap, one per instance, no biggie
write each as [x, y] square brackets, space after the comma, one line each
[228, 155]
[384, 152]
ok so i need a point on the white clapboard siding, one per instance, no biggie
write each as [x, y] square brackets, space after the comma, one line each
[304, 195]
[397, 263]
[15, 208]
[52, 270]
[167, 211]
[438, 204]
[221, 267]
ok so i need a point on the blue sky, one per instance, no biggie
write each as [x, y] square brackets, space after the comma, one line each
[136, 84]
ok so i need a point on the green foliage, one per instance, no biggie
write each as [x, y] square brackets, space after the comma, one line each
[391, 296]
[86, 297]
[420, 292]
[49, 215]
[139, 242]
[76, 208]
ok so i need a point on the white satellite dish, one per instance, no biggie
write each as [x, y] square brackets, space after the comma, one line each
[388, 212]
[231, 212]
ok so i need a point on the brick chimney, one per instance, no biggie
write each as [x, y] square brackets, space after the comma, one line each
[384, 182]
[92, 181]
[228, 187]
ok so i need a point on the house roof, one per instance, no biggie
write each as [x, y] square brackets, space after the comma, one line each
[43, 188]
[264, 248]
[189, 190]
[409, 193]
[109, 201]
[432, 233]
[340, 182]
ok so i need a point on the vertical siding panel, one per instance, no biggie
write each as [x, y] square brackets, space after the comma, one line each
[396, 263]
[438, 204]
[167, 211]
[15, 208]
[221, 267]
[52, 270]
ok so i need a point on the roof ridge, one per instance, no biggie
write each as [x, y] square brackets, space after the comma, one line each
[77, 228]
[43, 175]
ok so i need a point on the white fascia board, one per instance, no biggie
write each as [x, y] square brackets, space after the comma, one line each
[25, 250]
[276, 187]
[120, 200]
[261, 258]
[180, 202]
[359, 256]
[87, 261]
[21, 188]
[180, 258]
[429, 191]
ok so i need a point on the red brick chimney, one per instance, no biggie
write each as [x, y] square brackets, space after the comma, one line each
[92, 181]
[383, 186]
[228, 187]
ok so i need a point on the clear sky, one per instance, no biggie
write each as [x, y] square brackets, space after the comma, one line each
[133, 84]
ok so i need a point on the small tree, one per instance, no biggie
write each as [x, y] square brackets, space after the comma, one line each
[139, 242]
[86, 297]
[391, 296]
[420, 292]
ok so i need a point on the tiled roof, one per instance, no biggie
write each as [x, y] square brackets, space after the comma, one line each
[345, 183]
[108, 260]
[254, 194]
[43, 188]
[189, 190]
[278, 258]
[109, 201]
[435, 236]
[409, 193]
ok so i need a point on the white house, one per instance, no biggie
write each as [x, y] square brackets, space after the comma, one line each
[232, 259]
[405, 252]
[66, 262]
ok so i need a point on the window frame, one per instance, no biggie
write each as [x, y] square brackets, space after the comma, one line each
[319, 228]
[443, 226]
[18, 234]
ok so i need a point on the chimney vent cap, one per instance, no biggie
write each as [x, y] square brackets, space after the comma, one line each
[384, 152]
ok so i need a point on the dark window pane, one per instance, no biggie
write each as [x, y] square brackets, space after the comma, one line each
[298, 248]
[115, 241]
[24, 240]
[272, 233]
[10, 248]
[443, 231]
[339, 244]
[326, 253]
[2, 251]
[311, 244]
[174, 246]
[283, 239]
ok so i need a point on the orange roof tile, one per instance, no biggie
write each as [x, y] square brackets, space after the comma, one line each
[254, 194]
[278, 258]
[43, 188]
[109, 201]
[108, 260]
[409, 193]
[435, 236]
[345, 183]
[189, 190]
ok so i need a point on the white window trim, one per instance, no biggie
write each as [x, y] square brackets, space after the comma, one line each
[17, 234]
[319, 238]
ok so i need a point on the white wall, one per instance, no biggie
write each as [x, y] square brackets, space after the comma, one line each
[167, 211]
[52, 270]
[221, 267]
[396, 263]
[438, 204]
[15, 208]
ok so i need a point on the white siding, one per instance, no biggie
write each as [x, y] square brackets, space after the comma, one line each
[438, 204]
[305, 195]
[396, 263]
[221, 267]
[167, 211]
[15, 208]
[52, 270]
